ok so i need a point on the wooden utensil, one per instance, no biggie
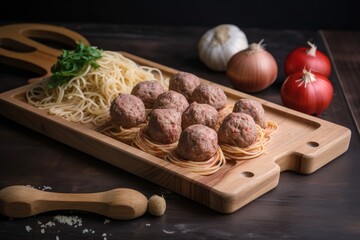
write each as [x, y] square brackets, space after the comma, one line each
[19, 49]
[120, 203]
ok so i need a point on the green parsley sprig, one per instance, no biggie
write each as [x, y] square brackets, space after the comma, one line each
[73, 63]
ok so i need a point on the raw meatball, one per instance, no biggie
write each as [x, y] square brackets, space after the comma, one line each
[165, 125]
[253, 108]
[127, 111]
[209, 94]
[197, 143]
[148, 91]
[198, 113]
[184, 83]
[171, 99]
[238, 129]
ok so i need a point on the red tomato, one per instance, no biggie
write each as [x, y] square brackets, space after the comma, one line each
[307, 92]
[309, 58]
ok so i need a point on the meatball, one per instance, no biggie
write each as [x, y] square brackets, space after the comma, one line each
[209, 94]
[171, 99]
[198, 113]
[148, 91]
[165, 125]
[127, 111]
[184, 83]
[197, 143]
[238, 129]
[253, 108]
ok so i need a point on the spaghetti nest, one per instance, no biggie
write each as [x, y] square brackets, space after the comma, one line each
[143, 141]
[255, 149]
[204, 168]
[87, 98]
[222, 114]
[125, 135]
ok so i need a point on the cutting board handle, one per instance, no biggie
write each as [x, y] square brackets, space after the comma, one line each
[246, 181]
[19, 48]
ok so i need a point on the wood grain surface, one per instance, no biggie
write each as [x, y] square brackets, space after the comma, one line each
[322, 205]
[345, 52]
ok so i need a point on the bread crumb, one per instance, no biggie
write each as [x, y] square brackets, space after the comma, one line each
[57, 238]
[42, 230]
[148, 224]
[107, 221]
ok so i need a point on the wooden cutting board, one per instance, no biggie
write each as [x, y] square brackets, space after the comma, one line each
[302, 144]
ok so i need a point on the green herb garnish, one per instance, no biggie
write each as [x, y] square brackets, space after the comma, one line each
[73, 63]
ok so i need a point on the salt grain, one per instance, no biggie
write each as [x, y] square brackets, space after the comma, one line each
[28, 228]
[73, 221]
[168, 232]
[44, 188]
[69, 220]
[48, 224]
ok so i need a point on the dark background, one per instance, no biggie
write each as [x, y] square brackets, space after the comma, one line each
[281, 14]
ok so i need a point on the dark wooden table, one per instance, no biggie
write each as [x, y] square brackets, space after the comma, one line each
[323, 205]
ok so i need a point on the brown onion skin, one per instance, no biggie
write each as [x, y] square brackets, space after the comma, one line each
[252, 70]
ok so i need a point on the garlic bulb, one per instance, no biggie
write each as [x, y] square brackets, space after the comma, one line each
[219, 44]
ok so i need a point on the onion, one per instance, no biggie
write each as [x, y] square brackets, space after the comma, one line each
[309, 58]
[307, 92]
[253, 69]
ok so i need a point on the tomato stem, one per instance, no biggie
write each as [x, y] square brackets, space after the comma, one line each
[312, 50]
[307, 77]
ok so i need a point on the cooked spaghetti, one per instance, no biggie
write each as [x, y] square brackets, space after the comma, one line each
[204, 168]
[271, 128]
[87, 98]
[222, 114]
[125, 135]
[143, 141]
[252, 151]
[255, 149]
